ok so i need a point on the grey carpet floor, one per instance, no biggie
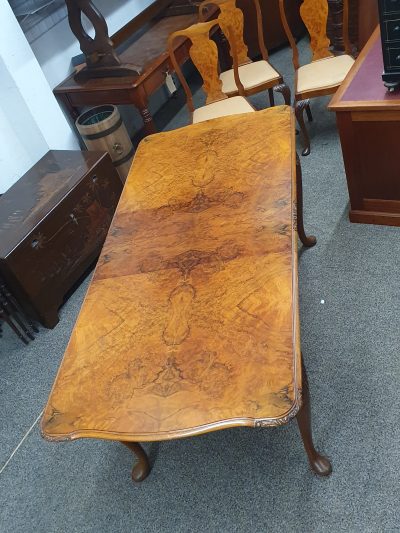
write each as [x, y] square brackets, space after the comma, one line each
[239, 480]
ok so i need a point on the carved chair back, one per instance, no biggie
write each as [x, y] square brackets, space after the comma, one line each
[204, 54]
[231, 21]
[314, 14]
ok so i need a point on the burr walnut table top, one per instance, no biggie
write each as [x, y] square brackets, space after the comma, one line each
[191, 323]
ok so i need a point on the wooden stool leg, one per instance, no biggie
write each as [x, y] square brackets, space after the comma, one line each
[298, 109]
[285, 92]
[142, 468]
[311, 240]
[319, 464]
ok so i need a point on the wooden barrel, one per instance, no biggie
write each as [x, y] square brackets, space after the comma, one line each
[102, 128]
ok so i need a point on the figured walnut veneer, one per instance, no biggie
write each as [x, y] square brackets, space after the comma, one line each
[204, 54]
[315, 16]
[191, 322]
[231, 20]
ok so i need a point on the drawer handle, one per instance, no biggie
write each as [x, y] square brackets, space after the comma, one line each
[35, 244]
[396, 28]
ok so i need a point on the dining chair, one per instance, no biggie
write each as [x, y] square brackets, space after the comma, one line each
[256, 76]
[204, 54]
[324, 74]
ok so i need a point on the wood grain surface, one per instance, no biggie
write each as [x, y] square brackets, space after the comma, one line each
[204, 54]
[231, 21]
[191, 321]
[315, 16]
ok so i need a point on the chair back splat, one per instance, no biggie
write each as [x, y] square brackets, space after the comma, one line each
[231, 21]
[314, 14]
[204, 54]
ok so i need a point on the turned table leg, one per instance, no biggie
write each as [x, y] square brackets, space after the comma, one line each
[141, 102]
[142, 468]
[311, 240]
[319, 464]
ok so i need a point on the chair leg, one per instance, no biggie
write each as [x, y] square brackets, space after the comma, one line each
[298, 109]
[320, 464]
[308, 111]
[285, 91]
[306, 240]
[271, 97]
[142, 468]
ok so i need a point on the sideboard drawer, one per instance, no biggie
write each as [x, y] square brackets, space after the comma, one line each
[392, 6]
[393, 56]
[392, 30]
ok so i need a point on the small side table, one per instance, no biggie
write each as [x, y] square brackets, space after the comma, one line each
[148, 53]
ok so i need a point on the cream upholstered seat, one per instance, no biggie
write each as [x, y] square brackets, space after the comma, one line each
[251, 75]
[222, 108]
[326, 72]
[204, 54]
[323, 73]
[254, 76]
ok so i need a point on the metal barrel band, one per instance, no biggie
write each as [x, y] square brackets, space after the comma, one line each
[125, 158]
[104, 133]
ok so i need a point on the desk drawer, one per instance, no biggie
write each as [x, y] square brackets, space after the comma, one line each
[392, 28]
[391, 6]
[158, 76]
[392, 58]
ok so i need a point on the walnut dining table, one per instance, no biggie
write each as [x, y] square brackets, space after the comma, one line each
[191, 320]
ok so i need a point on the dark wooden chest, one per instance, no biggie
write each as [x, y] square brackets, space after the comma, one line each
[53, 223]
[389, 16]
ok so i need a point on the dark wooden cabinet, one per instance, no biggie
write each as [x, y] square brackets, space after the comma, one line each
[363, 19]
[389, 15]
[53, 223]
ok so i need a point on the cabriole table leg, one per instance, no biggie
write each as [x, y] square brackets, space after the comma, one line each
[142, 468]
[320, 464]
[311, 240]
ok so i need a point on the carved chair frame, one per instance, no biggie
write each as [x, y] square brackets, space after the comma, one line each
[314, 14]
[231, 22]
[204, 54]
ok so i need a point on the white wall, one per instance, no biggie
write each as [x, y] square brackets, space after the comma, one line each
[31, 121]
[55, 48]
